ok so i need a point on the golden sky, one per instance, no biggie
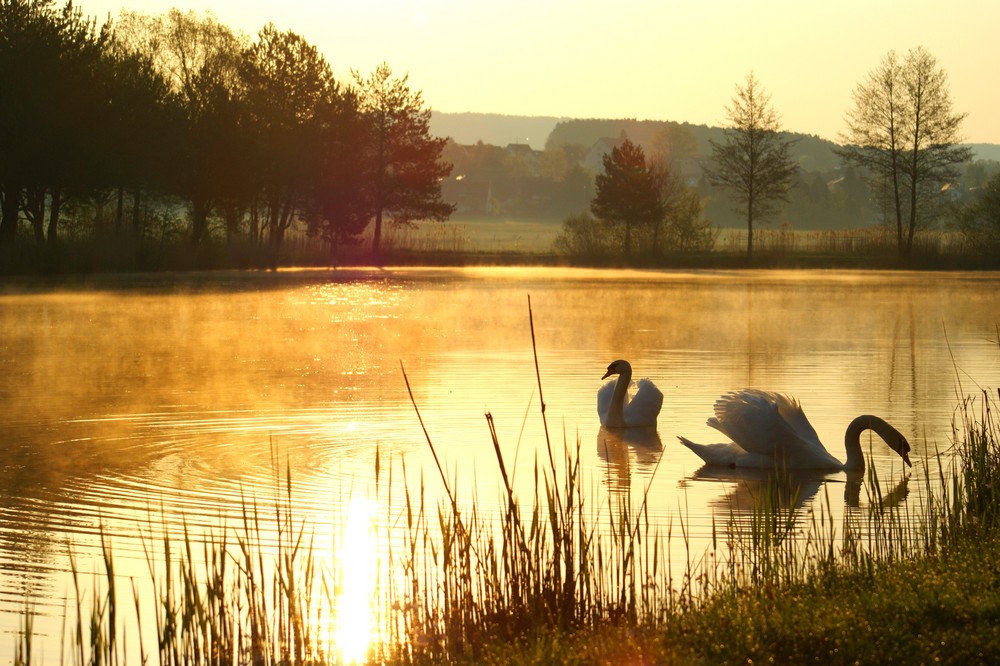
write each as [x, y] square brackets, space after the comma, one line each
[647, 59]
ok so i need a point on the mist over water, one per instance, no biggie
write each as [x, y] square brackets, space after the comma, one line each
[127, 406]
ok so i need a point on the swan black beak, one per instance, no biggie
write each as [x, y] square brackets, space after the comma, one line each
[906, 459]
[607, 374]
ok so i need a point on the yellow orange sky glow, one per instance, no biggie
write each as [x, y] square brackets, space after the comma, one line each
[643, 59]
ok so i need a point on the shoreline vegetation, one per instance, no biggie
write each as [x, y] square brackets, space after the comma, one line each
[552, 579]
[511, 242]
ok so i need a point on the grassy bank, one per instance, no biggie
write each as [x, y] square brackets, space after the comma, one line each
[942, 607]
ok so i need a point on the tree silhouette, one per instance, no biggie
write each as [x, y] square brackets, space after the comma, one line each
[47, 56]
[627, 193]
[404, 158]
[979, 220]
[753, 162]
[343, 183]
[903, 132]
[287, 84]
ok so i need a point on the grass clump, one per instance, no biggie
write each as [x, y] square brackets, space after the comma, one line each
[938, 608]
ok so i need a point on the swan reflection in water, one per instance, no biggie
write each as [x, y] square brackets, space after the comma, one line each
[791, 489]
[618, 446]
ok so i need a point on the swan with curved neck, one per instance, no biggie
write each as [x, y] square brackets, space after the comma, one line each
[770, 430]
[614, 406]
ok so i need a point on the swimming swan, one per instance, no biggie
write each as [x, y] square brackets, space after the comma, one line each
[614, 407]
[770, 430]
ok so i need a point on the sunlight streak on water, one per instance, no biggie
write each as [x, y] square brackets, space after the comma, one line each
[355, 623]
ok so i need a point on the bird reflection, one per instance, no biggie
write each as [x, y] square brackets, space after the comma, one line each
[883, 500]
[786, 489]
[791, 489]
[618, 446]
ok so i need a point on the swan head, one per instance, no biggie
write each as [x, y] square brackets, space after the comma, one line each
[617, 368]
[892, 437]
[897, 442]
[904, 450]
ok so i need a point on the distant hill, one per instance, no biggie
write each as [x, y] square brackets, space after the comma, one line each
[811, 152]
[493, 128]
[985, 151]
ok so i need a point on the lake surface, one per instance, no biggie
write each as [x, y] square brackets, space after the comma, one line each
[134, 406]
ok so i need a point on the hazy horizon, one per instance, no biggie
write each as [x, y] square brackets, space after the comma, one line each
[638, 59]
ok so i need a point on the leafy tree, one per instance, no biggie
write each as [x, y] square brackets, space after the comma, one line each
[553, 164]
[684, 226]
[582, 237]
[627, 193]
[47, 56]
[342, 191]
[903, 132]
[136, 134]
[577, 188]
[287, 84]
[754, 161]
[978, 173]
[200, 58]
[979, 221]
[405, 159]
[675, 142]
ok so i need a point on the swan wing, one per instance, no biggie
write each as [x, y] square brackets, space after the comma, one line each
[645, 405]
[766, 423]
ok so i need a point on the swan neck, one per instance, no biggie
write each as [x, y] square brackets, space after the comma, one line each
[616, 413]
[852, 439]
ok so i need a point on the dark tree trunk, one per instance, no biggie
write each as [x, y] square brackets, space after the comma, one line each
[9, 213]
[35, 210]
[120, 211]
[136, 211]
[199, 222]
[56, 207]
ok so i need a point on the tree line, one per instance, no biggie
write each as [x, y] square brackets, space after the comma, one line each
[903, 139]
[163, 130]
[153, 115]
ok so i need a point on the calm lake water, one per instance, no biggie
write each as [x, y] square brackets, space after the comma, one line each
[130, 406]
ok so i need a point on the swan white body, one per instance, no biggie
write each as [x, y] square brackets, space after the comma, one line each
[770, 430]
[617, 409]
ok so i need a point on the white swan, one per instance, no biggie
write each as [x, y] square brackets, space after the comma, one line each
[770, 430]
[614, 407]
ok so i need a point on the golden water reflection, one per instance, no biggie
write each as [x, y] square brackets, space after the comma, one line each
[357, 561]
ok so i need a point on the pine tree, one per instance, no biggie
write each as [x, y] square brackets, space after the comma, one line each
[628, 192]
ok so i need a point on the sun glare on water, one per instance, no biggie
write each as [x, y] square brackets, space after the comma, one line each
[355, 623]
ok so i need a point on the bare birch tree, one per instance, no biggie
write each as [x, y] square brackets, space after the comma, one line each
[754, 161]
[903, 132]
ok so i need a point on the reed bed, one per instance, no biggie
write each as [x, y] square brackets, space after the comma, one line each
[865, 241]
[542, 580]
